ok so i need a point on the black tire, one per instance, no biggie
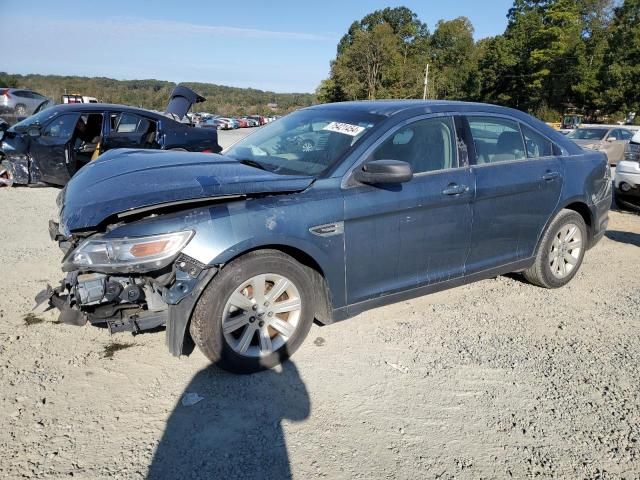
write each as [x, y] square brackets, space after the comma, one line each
[20, 109]
[178, 149]
[540, 272]
[622, 204]
[206, 321]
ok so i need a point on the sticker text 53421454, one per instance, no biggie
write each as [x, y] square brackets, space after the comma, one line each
[345, 128]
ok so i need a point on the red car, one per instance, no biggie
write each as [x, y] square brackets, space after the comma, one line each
[242, 123]
[261, 120]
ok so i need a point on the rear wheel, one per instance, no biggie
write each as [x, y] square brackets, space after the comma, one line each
[560, 252]
[20, 109]
[255, 313]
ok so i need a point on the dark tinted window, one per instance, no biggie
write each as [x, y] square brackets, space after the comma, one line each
[496, 140]
[61, 127]
[536, 144]
[427, 145]
[21, 93]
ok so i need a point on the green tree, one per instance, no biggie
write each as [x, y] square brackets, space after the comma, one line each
[621, 69]
[455, 63]
[367, 67]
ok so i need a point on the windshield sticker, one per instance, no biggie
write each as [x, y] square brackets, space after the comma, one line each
[345, 128]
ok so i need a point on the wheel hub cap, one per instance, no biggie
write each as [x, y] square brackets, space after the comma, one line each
[261, 315]
[565, 250]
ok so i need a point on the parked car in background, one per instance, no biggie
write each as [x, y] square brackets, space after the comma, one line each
[259, 118]
[242, 123]
[627, 178]
[215, 123]
[610, 140]
[20, 101]
[51, 146]
[77, 98]
[251, 122]
[233, 124]
[240, 253]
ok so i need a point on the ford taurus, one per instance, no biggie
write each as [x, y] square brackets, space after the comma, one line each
[239, 253]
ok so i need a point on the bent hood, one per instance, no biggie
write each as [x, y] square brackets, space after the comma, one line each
[124, 180]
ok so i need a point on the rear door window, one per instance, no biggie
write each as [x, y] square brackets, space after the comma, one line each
[129, 123]
[496, 140]
[536, 145]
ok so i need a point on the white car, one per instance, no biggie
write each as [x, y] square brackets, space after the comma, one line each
[627, 179]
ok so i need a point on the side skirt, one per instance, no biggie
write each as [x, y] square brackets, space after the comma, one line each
[350, 311]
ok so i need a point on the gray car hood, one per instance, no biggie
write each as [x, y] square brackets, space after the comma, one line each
[128, 180]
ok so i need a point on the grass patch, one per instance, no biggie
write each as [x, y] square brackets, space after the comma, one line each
[112, 348]
[32, 319]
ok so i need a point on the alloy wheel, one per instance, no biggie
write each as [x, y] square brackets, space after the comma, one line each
[564, 253]
[261, 315]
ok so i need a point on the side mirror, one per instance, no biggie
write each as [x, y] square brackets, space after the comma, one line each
[384, 171]
[611, 139]
[33, 131]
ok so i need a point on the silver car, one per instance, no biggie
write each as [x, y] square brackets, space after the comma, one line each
[19, 101]
[610, 140]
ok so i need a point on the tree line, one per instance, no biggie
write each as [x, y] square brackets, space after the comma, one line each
[555, 55]
[154, 94]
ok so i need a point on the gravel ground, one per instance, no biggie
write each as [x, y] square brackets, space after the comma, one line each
[497, 379]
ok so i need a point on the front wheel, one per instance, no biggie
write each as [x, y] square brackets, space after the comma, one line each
[560, 252]
[255, 313]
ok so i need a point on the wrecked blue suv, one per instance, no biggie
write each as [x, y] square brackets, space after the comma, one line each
[239, 253]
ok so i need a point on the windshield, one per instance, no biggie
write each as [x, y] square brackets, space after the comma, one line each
[39, 118]
[307, 142]
[588, 134]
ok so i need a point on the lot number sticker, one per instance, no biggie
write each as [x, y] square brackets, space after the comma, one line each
[346, 128]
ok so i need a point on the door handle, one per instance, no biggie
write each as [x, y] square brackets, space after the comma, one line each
[550, 176]
[455, 189]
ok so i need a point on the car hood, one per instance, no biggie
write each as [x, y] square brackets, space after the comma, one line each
[127, 180]
[181, 100]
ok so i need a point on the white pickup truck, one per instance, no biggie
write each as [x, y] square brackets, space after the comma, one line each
[627, 178]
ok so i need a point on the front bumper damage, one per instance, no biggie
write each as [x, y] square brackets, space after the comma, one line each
[126, 303]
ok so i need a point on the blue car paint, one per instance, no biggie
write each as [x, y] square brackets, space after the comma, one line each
[399, 241]
[123, 180]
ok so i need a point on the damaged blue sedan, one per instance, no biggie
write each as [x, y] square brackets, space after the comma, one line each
[239, 253]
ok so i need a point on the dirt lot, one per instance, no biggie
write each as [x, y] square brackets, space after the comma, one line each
[494, 380]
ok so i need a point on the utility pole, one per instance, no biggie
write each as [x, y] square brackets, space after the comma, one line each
[426, 83]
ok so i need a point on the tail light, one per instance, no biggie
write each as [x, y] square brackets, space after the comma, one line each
[207, 151]
[5, 93]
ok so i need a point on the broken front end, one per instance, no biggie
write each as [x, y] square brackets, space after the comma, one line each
[127, 284]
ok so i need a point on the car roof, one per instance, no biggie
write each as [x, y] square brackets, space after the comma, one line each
[87, 107]
[410, 108]
[392, 107]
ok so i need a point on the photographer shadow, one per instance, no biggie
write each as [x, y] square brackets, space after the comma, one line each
[236, 430]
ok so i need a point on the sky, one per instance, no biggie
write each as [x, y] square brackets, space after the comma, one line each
[278, 45]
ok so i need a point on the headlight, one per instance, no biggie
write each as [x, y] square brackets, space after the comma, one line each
[137, 254]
